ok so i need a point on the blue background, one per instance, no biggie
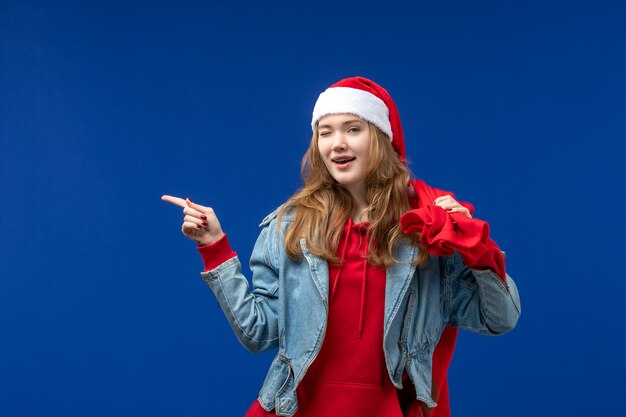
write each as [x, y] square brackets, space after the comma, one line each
[517, 107]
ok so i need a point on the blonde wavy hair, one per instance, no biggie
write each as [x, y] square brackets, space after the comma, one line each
[322, 206]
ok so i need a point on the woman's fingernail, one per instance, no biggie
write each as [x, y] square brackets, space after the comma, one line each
[205, 223]
[203, 217]
[199, 227]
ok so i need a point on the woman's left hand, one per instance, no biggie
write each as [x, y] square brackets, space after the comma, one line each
[450, 205]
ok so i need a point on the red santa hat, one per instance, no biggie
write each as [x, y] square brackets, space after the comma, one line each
[367, 100]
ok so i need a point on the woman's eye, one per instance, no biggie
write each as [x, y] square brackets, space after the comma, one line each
[354, 130]
[324, 133]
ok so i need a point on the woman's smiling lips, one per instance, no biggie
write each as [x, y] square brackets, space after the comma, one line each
[343, 161]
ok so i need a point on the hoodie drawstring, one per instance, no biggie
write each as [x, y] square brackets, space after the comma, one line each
[343, 257]
[361, 313]
[346, 241]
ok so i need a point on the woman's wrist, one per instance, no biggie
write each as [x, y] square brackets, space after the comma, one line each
[210, 240]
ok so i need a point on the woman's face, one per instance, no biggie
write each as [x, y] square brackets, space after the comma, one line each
[344, 145]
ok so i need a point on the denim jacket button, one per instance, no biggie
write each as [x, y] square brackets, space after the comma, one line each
[284, 404]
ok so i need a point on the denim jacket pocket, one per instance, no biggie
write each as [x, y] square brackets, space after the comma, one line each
[286, 402]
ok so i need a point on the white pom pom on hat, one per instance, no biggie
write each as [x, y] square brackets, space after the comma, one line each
[366, 99]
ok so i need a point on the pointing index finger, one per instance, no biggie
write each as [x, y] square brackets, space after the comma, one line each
[174, 200]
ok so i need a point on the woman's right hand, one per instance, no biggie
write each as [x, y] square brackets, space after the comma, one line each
[200, 223]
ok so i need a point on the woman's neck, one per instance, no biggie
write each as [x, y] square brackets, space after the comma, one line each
[359, 213]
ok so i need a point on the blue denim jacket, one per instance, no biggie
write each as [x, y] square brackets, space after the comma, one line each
[288, 307]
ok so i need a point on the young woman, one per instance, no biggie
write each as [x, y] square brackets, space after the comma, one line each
[362, 278]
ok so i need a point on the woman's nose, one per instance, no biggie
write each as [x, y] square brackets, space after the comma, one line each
[339, 141]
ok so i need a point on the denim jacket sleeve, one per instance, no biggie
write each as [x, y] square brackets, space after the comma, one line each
[479, 301]
[253, 315]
